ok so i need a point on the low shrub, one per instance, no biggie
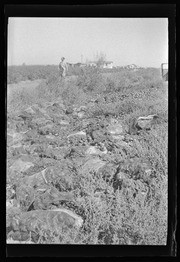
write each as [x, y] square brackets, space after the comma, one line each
[90, 80]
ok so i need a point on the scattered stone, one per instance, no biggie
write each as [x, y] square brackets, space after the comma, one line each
[80, 133]
[30, 110]
[92, 150]
[122, 143]
[145, 122]
[81, 114]
[115, 127]
[81, 108]
[93, 164]
[148, 171]
[9, 203]
[121, 175]
[50, 137]
[53, 220]
[118, 137]
[40, 121]
[63, 122]
[21, 166]
[14, 137]
[69, 110]
[98, 134]
[25, 116]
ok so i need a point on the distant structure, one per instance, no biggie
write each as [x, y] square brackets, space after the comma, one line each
[76, 65]
[132, 66]
[164, 71]
[104, 64]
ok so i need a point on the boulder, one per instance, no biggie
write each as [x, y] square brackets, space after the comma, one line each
[37, 190]
[40, 121]
[40, 110]
[21, 166]
[124, 144]
[63, 122]
[30, 110]
[145, 122]
[14, 137]
[121, 176]
[53, 220]
[81, 109]
[115, 127]
[81, 114]
[93, 164]
[69, 110]
[118, 137]
[92, 150]
[25, 116]
[98, 134]
[80, 133]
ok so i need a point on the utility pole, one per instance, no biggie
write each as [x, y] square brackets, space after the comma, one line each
[81, 59]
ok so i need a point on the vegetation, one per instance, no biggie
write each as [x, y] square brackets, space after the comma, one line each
[122, 202]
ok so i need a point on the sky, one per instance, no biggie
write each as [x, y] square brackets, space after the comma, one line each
[43, 41]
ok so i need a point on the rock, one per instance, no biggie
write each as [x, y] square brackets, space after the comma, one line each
[80, 133]
[93, 164]
[115, 127]
[21, 166]
[118, 137]
[121, 175]
[41, 110]
[30, 110]
[81, 108]
[24, 196]
[145, 122]
[69, 110]
[25, 116]
[81, 114]
[98, 135]
[122, 143]
[37, 189]
[40, 121]
[148, 171]
[46, 198]
[50, 137]
[92, 150]
[9, 203]
[14, 137]
[46, 220]
[59, 105]
[63, 122]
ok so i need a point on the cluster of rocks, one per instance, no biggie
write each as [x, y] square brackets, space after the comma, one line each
[48, 146]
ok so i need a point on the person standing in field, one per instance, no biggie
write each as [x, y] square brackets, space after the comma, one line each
[62, 68]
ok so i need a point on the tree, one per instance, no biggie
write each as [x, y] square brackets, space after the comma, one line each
[100, 59]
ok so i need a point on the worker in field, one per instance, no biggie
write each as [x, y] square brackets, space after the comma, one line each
[62, 68]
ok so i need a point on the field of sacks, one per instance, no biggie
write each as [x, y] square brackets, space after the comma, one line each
[77, 178]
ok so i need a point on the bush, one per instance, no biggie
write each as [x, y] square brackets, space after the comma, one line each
[90, 80]
[16, 74]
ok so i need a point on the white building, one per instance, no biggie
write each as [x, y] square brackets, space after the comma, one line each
[105, 64]
[132, 66]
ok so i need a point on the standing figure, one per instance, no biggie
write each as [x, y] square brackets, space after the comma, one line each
[62, 68]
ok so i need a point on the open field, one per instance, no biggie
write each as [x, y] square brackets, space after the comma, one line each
[87, 159]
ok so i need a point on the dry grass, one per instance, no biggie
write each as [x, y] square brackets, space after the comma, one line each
[121, 216]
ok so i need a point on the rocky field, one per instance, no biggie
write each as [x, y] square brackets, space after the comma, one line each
[87, 161]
